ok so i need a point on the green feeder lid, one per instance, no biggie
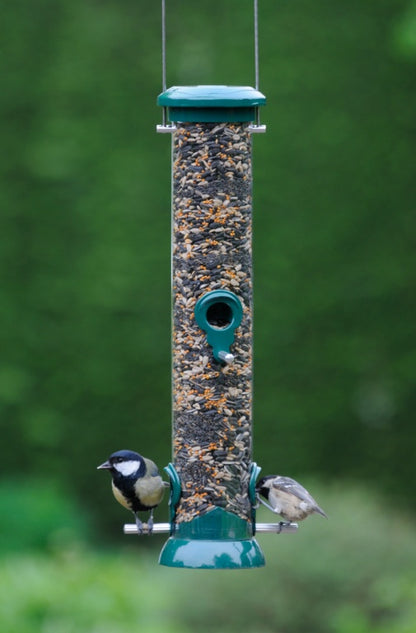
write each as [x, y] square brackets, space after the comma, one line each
[211, 103]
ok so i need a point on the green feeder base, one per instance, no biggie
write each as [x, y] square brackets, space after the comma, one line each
[205, 554]
[216, 540]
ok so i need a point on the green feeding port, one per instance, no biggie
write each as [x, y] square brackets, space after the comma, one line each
[211, 104]
[219, 314]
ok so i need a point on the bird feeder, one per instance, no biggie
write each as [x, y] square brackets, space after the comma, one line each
[213, 497]
[212, 472]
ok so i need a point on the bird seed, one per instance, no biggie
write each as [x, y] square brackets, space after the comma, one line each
[212, 209]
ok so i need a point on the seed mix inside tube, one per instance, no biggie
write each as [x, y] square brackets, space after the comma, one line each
[212, 223]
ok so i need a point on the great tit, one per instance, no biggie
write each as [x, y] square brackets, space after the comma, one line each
[287, 498]
[136, 484]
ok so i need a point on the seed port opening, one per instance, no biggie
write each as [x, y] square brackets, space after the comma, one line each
[219, 315]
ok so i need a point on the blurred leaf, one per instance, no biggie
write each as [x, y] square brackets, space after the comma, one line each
[405, 32]
[37, 515]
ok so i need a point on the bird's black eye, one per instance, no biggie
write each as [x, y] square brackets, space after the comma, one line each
[117, 460]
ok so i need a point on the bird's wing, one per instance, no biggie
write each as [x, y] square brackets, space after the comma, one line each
[289, 485]
[151, 468]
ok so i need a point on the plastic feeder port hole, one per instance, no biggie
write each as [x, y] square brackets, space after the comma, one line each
[219, 313]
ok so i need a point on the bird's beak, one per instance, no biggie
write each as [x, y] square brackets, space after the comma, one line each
[106, 465]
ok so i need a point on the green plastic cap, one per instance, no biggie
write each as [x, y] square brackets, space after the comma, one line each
[213, 104]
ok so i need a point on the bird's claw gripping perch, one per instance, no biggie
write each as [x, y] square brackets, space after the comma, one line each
[140, 527]
[150, 523]
[144, 528]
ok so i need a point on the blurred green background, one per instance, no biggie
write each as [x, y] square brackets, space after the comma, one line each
[85, 309]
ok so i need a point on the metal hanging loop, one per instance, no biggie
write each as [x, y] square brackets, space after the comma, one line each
[165, 127]
[256, 126]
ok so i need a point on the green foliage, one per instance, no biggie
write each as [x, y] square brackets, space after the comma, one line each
[352, 573]
[404, 36]
[37, 515]
[81, 593]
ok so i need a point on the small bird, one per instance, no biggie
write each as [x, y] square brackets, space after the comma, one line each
[287, 498]
[136, 484]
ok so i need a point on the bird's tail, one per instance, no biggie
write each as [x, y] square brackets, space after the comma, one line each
[320, 511]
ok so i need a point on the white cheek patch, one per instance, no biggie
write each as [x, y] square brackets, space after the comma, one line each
[127, 468]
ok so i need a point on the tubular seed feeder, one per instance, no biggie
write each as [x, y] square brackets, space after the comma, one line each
[213, 498]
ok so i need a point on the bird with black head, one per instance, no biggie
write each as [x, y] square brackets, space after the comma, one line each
[136, 484]
[287, 497]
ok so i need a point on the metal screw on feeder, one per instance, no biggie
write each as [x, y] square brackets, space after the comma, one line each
[226, 357]
[213, 478]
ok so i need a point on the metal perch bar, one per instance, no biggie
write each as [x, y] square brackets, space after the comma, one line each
[164, 528]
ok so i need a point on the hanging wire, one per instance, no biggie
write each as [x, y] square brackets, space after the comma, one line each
[256, 53]
[163, 45]
[164, 113]
[256, 43]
